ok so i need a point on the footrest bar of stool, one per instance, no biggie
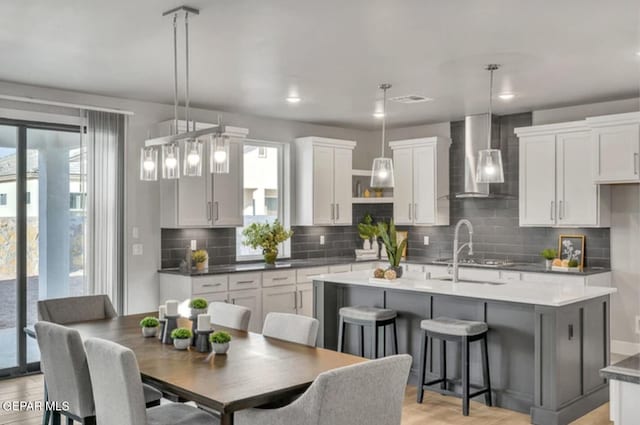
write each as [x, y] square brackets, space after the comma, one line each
[436, 381]
[477, 393]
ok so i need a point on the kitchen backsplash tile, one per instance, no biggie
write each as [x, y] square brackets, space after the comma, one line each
[496, 230]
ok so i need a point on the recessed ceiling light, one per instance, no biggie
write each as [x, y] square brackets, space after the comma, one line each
[378, 114]
[293, 99]
[506, 96]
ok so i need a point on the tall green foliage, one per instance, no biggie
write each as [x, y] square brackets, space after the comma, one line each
[390, 240]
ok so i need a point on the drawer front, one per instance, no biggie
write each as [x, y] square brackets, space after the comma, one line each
[304, 275]
[278, 278]
[340, 268]
[213, 283]
[240, 281]
[510, 276]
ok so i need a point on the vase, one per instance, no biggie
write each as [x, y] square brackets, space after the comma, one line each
[366, 244]
[182, 343]
[375, 247]
[397, 269]
[220, 348]
[270, 256]
[548, 264]
[149, 332]
[201, 266]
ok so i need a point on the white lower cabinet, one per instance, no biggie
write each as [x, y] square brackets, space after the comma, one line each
[252, 299]
[279, 299]
[305, 299]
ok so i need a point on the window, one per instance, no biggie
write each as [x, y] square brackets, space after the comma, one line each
[3, 199]
[77, 200]
[262, 194]
[28, 198]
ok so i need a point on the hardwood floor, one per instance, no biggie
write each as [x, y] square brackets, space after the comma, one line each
[436, 409]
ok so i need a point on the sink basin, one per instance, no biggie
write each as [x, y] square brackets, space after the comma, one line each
[450, 278]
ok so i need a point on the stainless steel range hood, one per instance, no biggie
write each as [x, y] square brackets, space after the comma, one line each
[475, 139]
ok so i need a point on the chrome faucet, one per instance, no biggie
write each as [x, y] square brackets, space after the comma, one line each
[456, 250]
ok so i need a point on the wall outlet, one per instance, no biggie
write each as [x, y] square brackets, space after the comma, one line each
[638, 324]
[137, 249]
[426, 240]
[194, 244]
[321, 239]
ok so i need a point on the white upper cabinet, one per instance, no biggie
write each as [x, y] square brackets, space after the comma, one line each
[323, 181]
[616, 145]
[421, 172]
[556, 182]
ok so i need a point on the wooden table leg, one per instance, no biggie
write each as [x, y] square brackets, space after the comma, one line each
[226, 418]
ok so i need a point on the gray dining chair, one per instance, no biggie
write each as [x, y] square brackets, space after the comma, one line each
[363, 394]
[76, 309]
[118, 394]
[230, 315]
[291, 327]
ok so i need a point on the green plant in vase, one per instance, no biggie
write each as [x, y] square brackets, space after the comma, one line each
[149, 326]
[181, 338]
[393, 248]
[200, 259]
[549, 254]
[367, 230]
[267, 237]
[198, 306]
[220, 341]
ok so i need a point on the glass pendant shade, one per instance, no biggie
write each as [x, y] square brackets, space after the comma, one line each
[382, 173]
[489, 168]
[219, 154]
[192, 166]
[171, 161]
[148, 164]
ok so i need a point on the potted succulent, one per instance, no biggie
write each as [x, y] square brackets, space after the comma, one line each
[149, 326]
[393, 248]
[200, 258]
[220, 341]
[198, 306]
[549, 254]
[181, 338]
[266, 236]
[367, 231]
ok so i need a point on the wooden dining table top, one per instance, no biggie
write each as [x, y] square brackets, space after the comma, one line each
[256, 370]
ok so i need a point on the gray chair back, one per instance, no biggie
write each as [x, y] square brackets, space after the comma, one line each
[292, 328]
[64, 363]
[76, 309]
[116, 383]
[230, 315]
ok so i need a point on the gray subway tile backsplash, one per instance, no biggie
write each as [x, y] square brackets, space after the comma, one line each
[497, 233]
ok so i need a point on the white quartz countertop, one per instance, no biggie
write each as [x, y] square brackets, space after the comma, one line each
[538, 293]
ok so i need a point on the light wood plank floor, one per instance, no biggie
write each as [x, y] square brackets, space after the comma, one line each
[436, 409]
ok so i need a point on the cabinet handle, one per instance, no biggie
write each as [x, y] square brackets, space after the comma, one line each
[295, 301]
[635, 163]
[415, 211]
[211, 285]
[280, 278]
[233, 300]
[551, 214]
[561, 210]
[570, 332]
[217, 211]
[240, 282]
[410, 206]
[332, 212]
[300, 299]
[337, 211]
[208, 211]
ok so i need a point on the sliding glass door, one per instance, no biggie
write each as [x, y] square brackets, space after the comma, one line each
[42, 229]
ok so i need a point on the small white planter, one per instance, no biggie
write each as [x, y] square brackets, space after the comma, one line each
[181, 344]
[149, 332]
[220, 348]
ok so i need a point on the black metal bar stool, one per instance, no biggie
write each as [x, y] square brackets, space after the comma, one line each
[373, 317]
[462, 331]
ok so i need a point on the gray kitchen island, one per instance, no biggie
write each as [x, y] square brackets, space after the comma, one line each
[547, 342]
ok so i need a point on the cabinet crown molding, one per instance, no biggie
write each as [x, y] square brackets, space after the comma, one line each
[563, 127]
[617, 119]
[326, 141]
[419, 141]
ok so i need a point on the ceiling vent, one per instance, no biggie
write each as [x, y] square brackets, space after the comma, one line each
[411, 98]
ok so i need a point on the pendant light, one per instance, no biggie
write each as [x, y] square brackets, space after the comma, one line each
[489, 169]
[219, 153]
[382, 169]
[148, 164]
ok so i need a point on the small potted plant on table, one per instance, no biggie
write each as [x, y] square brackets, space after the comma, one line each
[181, 338]
[549, 254]
[198, 306]
[268, 237]
[200, 258]
[220, 341]
[393, 248]
[149, 326]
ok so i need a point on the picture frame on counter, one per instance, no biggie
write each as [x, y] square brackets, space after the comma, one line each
[571, 247]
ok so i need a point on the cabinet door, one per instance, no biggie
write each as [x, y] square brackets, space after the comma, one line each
[568, 346]
[323, 211]
[251, 299]
[280, 299]
[228, 190]
[615, 151]
[305, 299]
[403, 188]
[342, 166]
[538, 181]
[424, 185]
[194, 199]
[577, 194]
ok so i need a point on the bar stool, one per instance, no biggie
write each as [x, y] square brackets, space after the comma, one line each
[462, 331]
[373, 317]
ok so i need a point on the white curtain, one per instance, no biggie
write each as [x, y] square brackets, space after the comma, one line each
[105, 146]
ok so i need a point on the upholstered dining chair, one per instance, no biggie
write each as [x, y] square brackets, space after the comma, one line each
[230, 315]
[292, 328]
[76, 309]
[363, 394]
[118, 394]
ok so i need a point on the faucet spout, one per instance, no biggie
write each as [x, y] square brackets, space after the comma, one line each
[456, 249]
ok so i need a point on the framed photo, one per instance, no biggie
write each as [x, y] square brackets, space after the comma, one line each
[571, 247]
[400, 236]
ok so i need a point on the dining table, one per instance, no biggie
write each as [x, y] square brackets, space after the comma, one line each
[256, 371]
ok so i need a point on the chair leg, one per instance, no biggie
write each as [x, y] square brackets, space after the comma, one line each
[395, 338]
[423, 365]
[55, 418]
[361, 329]
[465, 376]
[69, 421]
[485, 371]
[384, 341]
[374, 346]
[47, 413]
[341, 335]
[443, 364]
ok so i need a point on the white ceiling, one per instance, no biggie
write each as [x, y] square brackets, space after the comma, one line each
[248, 54]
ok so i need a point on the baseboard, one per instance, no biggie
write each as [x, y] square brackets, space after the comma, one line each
[625, 348]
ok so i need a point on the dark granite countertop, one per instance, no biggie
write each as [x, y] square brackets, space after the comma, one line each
[327, 261]
[627, 370]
